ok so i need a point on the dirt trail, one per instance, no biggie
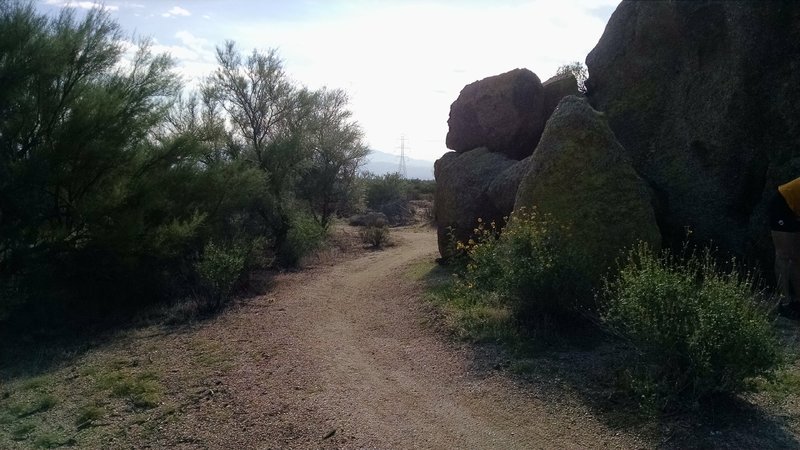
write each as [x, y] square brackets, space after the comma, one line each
[342, 357]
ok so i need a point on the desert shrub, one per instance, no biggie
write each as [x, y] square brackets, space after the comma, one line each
[698, 328]
[112, 183]
[11, 295]
[304, 236]
[220, 268]
[259, 254]
[421, 189]
[388, 188]
[530, 265]
[388, 194]
[477, 315]
[109, 204]
[375, 236]
[541, 270]
[370, 219]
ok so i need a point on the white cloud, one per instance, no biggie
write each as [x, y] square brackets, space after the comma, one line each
[176, 11]
[195, 56]
[82, 5]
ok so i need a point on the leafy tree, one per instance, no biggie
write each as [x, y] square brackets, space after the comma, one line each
[99, 197]
[267, 113]
[336, 151]
[111, 184]
[576, 69]
[305, 142]
[74, 127]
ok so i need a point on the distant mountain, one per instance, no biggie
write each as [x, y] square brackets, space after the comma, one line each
[381, 163]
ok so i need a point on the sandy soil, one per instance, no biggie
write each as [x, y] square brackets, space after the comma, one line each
[344, 356]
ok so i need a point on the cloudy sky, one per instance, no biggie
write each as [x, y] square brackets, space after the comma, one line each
[402, 62]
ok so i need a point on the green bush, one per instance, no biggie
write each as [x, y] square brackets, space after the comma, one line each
[107, 206]
[375, 236]
[111, 183]
[304, 236]
[421, 189]
[699, 329]
[220, 268]
[388, 194]
[530, 265]
[385, 189]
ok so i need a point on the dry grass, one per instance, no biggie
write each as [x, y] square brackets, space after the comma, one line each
[117, 392]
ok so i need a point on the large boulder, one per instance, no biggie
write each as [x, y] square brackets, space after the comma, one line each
[582, 178]
[556, 88]
[703, 96]
[502, 191]
[504, 113]
[462, 183]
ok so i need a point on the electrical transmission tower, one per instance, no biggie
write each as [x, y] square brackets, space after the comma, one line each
[402, 169]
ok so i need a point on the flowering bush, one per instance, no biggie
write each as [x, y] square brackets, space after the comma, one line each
[698, 328]
[530, 265]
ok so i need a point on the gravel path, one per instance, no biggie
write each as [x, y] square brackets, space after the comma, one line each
[342, 357]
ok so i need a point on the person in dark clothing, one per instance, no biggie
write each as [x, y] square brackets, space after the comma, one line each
[784, 220]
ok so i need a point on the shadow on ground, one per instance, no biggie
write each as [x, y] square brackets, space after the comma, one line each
[32, 343]
[583, 362]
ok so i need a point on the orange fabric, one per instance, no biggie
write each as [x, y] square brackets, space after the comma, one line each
[791, 192]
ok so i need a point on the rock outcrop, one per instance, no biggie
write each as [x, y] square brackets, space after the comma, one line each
[504, 113]
[582, 178]
[462, 185]
[556, 88]
[494, 123]
[703, 96]
[502, 190]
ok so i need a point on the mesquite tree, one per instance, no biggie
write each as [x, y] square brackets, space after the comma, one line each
[334, 144]
[305, 142]
[98, 200]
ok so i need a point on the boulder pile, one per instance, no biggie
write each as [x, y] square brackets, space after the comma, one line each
[689, 122]
[703, 97]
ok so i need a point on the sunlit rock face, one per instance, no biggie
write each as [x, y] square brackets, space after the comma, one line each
[581, 177]
[703, 97]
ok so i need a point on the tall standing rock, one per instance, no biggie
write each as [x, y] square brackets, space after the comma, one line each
[703, 96]
[582, 178]
[462, 193]
[504, 113]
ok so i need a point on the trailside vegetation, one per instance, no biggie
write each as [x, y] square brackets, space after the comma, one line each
[688, 326]
[117, 187]
[697, 328]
